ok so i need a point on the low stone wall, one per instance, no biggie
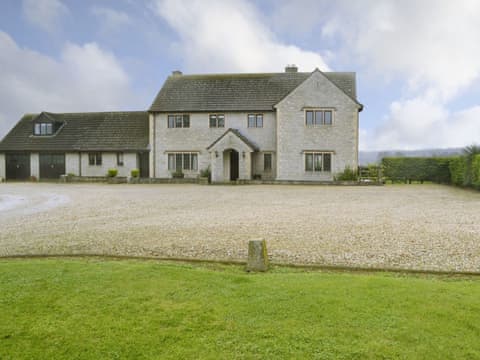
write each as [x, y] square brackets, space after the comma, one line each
[300, 182]
[167, 181]
[91, 179]
[204, 181]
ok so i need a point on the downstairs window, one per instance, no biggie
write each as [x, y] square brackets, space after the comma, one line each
[318, 161]
[179, 161]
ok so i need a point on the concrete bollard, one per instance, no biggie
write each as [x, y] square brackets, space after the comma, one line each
[257, 256]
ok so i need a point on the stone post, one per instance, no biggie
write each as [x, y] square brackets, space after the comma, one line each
[257, 256]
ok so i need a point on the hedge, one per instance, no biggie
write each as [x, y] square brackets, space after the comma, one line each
[458, 166]
[459, 170]
[476, 171]
[421, 169]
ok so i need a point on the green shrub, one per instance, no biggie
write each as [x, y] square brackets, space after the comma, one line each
[348, 174]
[205, 173]
[178, 174]
[135, 173]
[112, 173]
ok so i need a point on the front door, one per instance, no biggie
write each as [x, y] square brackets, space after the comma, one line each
[144, 163]
[52, 166]
[233, 165]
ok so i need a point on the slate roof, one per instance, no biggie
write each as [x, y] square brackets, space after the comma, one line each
[237, 92]
[239, 135]
[102, 131]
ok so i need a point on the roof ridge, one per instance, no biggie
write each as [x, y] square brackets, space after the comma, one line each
[47, 113]
[255, 74]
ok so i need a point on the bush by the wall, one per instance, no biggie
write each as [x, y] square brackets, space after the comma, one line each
[112, 173]
[347, 175]
[135, 173]
[178, 174]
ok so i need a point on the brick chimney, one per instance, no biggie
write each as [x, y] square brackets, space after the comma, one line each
[291, 68]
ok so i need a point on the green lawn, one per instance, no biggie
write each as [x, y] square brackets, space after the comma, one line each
[108, 309]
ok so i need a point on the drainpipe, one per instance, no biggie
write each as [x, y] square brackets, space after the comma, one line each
[79, 163]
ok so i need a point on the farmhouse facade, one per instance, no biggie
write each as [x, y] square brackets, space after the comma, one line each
[270, 126]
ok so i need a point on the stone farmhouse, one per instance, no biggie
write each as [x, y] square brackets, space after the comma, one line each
[292, 125]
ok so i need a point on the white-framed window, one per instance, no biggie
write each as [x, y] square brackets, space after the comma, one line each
[318, 161]
[180, 161]
[318, 117]
[95, 158]
[267, 162]
[120, 158]
[42, 129]
[217, 120]
[255, 120]
[178, 120]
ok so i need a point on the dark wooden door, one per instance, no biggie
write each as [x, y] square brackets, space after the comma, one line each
[233, 165]
[144, 164]
[18, 166]
[52, 165]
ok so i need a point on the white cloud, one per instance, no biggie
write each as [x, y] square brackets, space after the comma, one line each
[216, 36]
[432, 47]
[44, 14]
[111, 20]
[422, 123]
[85, 78]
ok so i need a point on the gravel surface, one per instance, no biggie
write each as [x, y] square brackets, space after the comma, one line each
[428, 227]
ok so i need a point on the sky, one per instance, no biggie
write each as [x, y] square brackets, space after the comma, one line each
[417, 62]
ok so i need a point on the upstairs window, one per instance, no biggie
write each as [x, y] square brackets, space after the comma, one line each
[42, 129]
[255, 120]
[318, 117]
[318, 161]
[95, 158]
[178, 121]
[217, 120]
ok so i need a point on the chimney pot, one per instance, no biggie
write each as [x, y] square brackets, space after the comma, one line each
[291, 68]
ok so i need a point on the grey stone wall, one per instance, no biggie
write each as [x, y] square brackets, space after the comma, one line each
[199, 136]
[294, 137]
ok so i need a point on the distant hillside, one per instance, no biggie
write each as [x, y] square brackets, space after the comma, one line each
[370, 157]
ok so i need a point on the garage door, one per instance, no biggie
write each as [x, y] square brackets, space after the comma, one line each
[52, 165]
[18, 166]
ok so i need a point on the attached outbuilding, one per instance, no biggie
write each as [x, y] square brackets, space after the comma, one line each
[48, 145]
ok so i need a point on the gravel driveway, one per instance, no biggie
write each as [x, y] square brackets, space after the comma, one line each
[428, 227]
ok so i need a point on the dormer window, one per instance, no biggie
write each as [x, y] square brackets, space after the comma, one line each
[42, 129]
